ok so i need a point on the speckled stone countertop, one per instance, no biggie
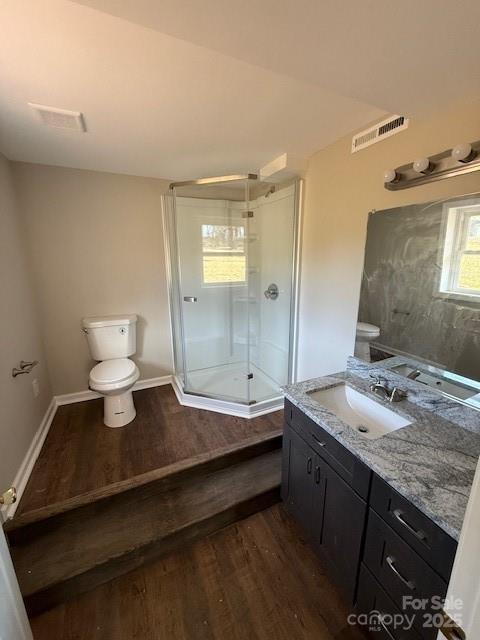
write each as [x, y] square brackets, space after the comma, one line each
[431, 462]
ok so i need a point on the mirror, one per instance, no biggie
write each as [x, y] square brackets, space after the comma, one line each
[420, 293]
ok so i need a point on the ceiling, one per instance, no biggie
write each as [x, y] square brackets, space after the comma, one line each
[181, 89]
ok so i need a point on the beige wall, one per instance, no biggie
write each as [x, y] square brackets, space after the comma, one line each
[341, 189]
[20, 412]
[96, 245]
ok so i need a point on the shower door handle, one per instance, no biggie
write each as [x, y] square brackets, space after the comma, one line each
[189, 299]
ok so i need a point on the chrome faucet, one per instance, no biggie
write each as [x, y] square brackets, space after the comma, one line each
[394, 395]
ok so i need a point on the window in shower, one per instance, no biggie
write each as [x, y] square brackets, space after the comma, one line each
[224, 260]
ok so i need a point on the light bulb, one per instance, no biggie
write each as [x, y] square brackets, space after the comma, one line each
[390, 175]
[463, 152]
[422, 165]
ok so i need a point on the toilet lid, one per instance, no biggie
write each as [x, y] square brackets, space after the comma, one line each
[112, 370]
[367, 329]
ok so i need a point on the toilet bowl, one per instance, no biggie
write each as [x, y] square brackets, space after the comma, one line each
[111, 339]
[114, 379]
[365, 334]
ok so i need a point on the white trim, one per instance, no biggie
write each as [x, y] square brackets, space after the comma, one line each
[23, 473]
[149, 383]
[223, 406]
[78, 396]
[82, 396]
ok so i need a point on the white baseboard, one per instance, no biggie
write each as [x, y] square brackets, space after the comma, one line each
[81, 396]
[23, 474]
[149, 383]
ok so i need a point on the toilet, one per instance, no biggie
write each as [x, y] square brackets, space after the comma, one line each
[111, 340]
[365, 334]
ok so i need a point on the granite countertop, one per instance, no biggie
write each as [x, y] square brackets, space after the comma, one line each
[431, 462]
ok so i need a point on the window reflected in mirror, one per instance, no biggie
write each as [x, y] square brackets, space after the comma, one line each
[420, 292]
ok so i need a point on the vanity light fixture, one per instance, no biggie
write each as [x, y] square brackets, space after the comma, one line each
[464, 152]
[462, 159]
[423, 165]
[390, 175]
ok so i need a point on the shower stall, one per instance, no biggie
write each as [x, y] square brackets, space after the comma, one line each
[232, 252]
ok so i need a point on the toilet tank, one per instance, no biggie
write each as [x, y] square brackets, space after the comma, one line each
[111, 337]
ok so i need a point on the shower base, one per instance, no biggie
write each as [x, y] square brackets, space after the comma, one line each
[224, 389]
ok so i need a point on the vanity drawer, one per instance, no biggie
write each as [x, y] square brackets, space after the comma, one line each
[429, 541]
[399, 569]
[391, 623]
[345, 463]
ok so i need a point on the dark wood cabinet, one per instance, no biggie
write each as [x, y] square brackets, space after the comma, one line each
[339, 522]
[435, 546]
[383, 619]
[399, 552]
[403, 574]
[331, 514]
[297, 488]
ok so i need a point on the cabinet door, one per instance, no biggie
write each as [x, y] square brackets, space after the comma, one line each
[297, 479]
[340, 521]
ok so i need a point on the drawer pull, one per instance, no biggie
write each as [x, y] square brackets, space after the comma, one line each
[418, 533]
[309, 466]
[391, 564]
[319, 442]
[384, 627]
[317, 475]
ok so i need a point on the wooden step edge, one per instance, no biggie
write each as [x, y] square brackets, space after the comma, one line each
[223, 456]
[59, 593]
[223, 489]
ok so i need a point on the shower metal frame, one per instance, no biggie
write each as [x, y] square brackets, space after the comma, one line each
[170, 237]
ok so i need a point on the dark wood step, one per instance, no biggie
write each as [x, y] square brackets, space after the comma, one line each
[74, 552]
[165, 476]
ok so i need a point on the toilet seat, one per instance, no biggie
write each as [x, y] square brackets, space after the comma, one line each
[113, 374]
[366, 330]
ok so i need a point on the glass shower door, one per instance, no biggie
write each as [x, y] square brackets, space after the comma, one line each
[271, 276]
[212, 233]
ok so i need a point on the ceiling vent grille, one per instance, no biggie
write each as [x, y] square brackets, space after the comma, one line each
[380, 131]
[60, 118]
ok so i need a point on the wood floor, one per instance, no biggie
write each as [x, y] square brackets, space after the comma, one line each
[82, 456]
[255, 580]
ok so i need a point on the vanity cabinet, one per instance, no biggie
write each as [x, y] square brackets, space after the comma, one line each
[327, 507]
[406, 557]
[375, 545]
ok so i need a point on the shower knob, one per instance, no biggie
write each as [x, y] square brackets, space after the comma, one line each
[271, 293]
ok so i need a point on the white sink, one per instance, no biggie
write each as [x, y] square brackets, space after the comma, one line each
[364, 415]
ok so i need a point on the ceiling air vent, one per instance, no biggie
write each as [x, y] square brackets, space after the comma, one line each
[382, 130]
[61, 118]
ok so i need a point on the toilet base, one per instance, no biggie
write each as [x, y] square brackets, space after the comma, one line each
[362, 350]
[118, 410]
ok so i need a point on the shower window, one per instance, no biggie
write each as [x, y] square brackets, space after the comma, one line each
[224, 259]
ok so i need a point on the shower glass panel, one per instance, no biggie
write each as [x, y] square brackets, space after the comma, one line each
[272, 232]
[231, 259]
[212, 230]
